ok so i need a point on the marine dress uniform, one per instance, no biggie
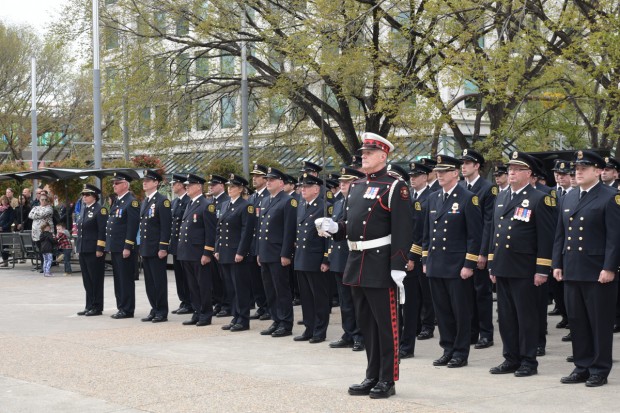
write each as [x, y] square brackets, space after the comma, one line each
[121, 233]
[235, 230]
[178, 210]
[521, 245]
[587, 242]
[155, 227]
[452, 236]
[90, 240]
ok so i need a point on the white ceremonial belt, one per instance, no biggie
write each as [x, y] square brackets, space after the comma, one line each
[366, 245]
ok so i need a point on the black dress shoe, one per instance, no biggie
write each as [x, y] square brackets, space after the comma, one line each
[617, 328]
[383, 390]
[540, 351]
[255, 316]
[175, 311]
[358, 346]
[184, 311]
[596, 381]
[555, 311]
[93, 312]
[296, 302]
[526, 371]
[575, 378]
[504, 368]
[148, 318]
[425, 335]
[342, 343]
[483, 343]
[405, 354]
[362, 389]
[239, 327]
[83, 312]
[121, 315]
[269, 330]
[443, 360]
[562, 324]
[159, 319]
[265, 317]
[300, 322]
[281, 332]
[570, 359]
[457, 362]
[191, 322]
[567, 337]
[202, 323]
[302, 338]
[315, 340]
[227, 326]
[223, 313]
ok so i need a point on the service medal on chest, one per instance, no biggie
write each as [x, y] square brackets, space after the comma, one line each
[371, 192]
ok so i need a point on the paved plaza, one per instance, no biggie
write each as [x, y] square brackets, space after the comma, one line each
[55, 361]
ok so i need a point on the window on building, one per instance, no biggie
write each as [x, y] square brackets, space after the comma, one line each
[144, 122]
[277, 107]
[161, 70]
[111, 38]
[329, 97]
[159, 21]
[111, 75]
[184, 117]
[227, 112]
[227, 65]
[161, 118]
[203, 115]
[202, 65]
[183, 65]
[470, 87]
[108, 2]
[182, 24]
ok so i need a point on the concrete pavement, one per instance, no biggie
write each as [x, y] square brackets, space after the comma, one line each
[54, 361]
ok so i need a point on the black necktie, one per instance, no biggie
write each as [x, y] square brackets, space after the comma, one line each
[445, 196]
[582, 194]
[469, 187]
[512, 195]
[415, 196]
[560, 192]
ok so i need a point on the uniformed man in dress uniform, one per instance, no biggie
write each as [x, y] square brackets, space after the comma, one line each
[155, 227]
[310, 262]
[451, 243]
[121, 233]
[289, 187]
[235, 230]
[433, 183]
[520, 261]
[500, 173]
[378, 226]
[196, 248]
[417, 290]
[179, 204]
[223, 289]
[482, 317]
[276, 239]
[586, 256]
[610, 172]
[259, 183]
[338, 254]
[89, 246]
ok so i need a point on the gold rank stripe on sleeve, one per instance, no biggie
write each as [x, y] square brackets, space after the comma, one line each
[164, 243]
[129, 242]
[425, 253]
[543, 261]
[471, 257]
[490, 257]
[326, 254]
[416, 249]
[101, 243]
[207, 248]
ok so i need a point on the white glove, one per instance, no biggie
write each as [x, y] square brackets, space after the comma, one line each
[398, 277]
[325, 227]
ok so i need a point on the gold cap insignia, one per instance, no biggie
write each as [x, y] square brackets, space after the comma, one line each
[580, 155]
[342, 171]
[464, 152]
[607, 159]
[515, 155]
[562, 166]
[269, 169]
[438, 158]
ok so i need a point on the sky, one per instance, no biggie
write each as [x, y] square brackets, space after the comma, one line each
[37, 13]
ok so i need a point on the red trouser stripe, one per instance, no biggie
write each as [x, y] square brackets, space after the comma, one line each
[394, 318]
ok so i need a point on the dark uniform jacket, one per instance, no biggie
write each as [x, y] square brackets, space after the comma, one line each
[276, 229]
[420, 211]
[486, 193]
[197, 235]
[91, 225]
[310, 249]
[338, 250]
[452, 233]
[587, 238]
[220, 203]
[155, 225]
[122, 227]
[523, 229]
[178, 210]
[235, 230]
[255, 199]
[377, 206]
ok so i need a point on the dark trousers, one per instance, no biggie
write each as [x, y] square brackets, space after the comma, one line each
[219, 295]
[92, 276]
[427, 312]
[278, 292]
[292, 279]
[482, 315]
[591, 312]
[518, 309]
[181, 283]
[156, 284]
[352, 332]
[228, 293]
[542, 304]
[374, 308]
[315, 301]
[557, 289]
[410, 311]
[258, 289]
[242, 285]
[452, 299]
[200, 285]
[124, 282]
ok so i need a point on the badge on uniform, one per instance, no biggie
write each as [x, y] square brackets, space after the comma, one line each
[152, 211]
[525, 203]
[195, 216]
[90, 215]
[257, 212]
[455, 208]
[371, 192]
[523, 214]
